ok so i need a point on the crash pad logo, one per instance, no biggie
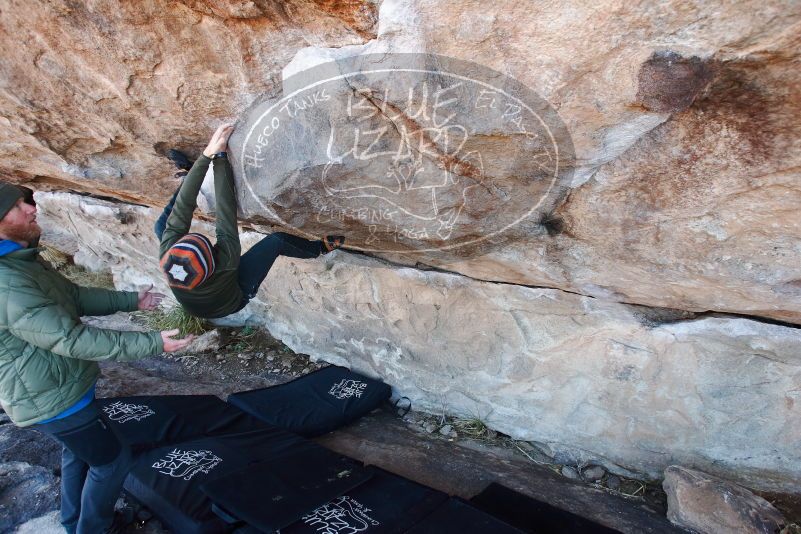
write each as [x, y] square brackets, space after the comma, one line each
[122, 412]
[404, 152]
[186, 464]
[346, 389]
[344, 515]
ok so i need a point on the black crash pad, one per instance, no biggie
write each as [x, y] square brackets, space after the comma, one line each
[167, 480]
[456, 516]
[385, 504]
[145, 422]
[531, 515]
[273, 494]
[316, 403]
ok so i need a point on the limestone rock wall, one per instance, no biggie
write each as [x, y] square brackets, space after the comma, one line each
[687, 148]
[634, 388]
[681, 214]
[590, 378]
[699, 214]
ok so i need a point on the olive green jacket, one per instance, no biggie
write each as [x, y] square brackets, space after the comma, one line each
[48, 357]
[220, 295]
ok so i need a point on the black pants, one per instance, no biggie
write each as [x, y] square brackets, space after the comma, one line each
[161, 223]
[94, 464]
[256, 262]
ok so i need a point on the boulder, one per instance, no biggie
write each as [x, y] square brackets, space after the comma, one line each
[682, 122]
[95, 94]
[639, 314]
[710, 505]
[685, 150]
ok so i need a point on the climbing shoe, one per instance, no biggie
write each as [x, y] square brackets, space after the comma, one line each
[179, 159]
[332, 242]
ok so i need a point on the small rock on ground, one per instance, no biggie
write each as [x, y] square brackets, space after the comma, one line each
[570, 473]
[206, 342]
[593, 473]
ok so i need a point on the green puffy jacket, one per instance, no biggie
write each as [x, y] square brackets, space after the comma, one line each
[48, 358]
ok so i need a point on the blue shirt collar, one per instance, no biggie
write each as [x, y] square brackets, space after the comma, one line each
[7, 246]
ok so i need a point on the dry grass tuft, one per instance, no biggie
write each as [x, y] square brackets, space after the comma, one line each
[63, 263]
[175, 317]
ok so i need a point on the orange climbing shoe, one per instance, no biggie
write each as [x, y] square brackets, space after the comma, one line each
[332, 242]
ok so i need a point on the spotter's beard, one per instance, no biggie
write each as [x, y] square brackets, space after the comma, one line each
[20, 233]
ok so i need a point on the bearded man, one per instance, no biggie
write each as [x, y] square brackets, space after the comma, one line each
[48, 364]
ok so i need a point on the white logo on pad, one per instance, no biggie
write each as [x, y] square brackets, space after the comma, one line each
[343, 515]
[347, 388]
[186, 464]
[121, 412]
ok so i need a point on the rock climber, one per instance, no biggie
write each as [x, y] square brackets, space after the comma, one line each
[212, 280]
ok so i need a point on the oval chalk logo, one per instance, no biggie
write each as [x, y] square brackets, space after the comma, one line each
[403, 152]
